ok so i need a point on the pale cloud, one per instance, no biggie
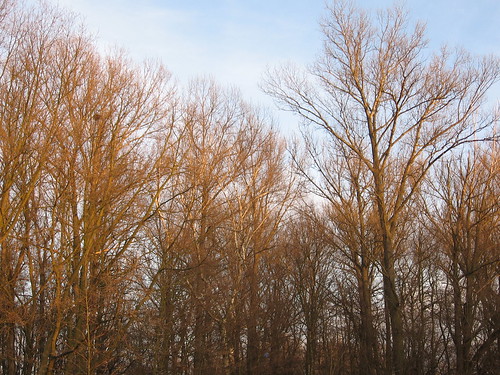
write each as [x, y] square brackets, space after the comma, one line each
[142, 28]
[227, 41]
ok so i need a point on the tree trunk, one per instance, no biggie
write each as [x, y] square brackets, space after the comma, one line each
[252, 349]
[394, 308]
[393, 305]
[368, 344]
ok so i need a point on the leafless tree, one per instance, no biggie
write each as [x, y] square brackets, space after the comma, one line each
[464, 218]
[78, 167]
[375, 93]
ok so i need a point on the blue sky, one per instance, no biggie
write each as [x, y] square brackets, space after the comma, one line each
[235, 40]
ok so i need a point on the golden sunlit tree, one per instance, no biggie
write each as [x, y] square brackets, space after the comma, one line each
[80, 147]
[377, 94]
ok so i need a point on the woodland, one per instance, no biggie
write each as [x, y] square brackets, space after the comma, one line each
[152, 228]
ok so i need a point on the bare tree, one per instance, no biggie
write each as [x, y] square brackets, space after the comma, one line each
[375, 93]
[311, 257]
[262, 195]
[78, 166]
[464, 219]
[143, 231]
[27, 134]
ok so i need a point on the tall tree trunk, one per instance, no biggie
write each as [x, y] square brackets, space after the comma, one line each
[368, 344]
[165, 325]
[394, 308]
[252, 349]
[199, 359]
[389, 274]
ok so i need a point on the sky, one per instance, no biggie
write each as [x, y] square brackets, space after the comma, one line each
[235, 41]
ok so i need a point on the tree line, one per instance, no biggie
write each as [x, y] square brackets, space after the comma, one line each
[147, 228]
